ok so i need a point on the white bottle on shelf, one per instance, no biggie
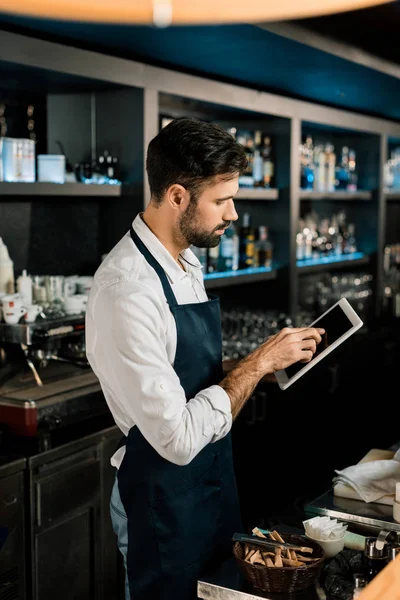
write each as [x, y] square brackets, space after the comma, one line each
[24, 288]
[6, 270]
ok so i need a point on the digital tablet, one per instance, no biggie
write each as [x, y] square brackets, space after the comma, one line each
[340, 321]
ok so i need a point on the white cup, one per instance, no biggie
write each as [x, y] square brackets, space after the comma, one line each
[76, 304]
[13, 308]
[70, 285]
[83, 284]
[32, 312]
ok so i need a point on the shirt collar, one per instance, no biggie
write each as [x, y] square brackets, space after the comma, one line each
[161, 254]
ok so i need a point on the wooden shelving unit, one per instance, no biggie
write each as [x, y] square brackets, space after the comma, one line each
[257, 194]
[228, 278]
[135, 93]
[319, 265]
[336, 195]
[58, 189]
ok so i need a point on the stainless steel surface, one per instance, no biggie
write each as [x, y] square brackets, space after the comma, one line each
[372, 549]
[217, 592]
[357, 512]
[42, 329]
[67, 387]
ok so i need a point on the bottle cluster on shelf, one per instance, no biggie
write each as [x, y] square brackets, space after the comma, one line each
[241, 247]
[391, 271]
[392, 170]
[323, 170]
[19, 163]
[260, 172]
[104, 169]
[325, 237]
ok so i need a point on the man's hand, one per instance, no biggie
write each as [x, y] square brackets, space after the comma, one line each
[281, 350]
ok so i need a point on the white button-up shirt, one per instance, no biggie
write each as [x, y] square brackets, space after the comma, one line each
[131, 344]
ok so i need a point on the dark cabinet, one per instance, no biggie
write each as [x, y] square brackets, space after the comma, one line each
[12, 532]
[73, 549]
[65, 520]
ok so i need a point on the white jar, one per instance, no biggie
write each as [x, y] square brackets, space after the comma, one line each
[24, 288]
[51, 168]
[12, 159]
[28, 167]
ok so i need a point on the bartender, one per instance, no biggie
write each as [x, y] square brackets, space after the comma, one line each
[154, 341]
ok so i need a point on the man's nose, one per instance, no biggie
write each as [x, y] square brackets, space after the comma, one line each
[230, 213]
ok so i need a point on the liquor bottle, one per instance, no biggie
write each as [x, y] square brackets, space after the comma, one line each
[353, 177]
[263, 248]
[307, 164]
[319, 163]
[268, 163]
[212, 261]
[349, 241]
[226, 251]
[246, 140]
[330, 168]
[247, 242]
[342, 170]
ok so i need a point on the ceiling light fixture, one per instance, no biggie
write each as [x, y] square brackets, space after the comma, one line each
[181, 12]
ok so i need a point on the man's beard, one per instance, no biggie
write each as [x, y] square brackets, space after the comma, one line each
[193, 236]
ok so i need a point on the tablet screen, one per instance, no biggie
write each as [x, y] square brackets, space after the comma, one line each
[335, 323]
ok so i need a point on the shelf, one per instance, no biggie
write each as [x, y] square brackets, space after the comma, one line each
[315, 265]
[392, 194]
[256, 194]
[228, 278]
[39, 188]
[337, 195]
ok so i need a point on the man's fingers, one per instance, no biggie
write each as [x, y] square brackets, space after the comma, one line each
[307, 356]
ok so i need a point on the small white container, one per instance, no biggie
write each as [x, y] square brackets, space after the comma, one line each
[28, 166]
[331, 547]
[12, 159]
[51, 168]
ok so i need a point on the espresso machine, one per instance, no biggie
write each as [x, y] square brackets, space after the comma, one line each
[46, 383]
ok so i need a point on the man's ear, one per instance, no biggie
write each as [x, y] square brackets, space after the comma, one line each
[177, 196]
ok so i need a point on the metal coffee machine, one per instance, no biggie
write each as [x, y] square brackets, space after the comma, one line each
[46, 382]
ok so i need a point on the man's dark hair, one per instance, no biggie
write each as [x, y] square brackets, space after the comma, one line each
[191, 152]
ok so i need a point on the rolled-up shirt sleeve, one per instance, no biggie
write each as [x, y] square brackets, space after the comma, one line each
[129, 356]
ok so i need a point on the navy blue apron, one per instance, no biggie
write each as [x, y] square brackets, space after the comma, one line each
[180, 518]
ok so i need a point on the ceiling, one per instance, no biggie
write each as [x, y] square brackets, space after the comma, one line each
[258, 57]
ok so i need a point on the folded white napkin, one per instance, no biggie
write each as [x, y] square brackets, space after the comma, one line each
[372, 480]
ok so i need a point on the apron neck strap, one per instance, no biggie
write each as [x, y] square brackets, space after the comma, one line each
[169, 294]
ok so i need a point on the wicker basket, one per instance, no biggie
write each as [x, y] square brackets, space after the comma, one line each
[282, 579]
